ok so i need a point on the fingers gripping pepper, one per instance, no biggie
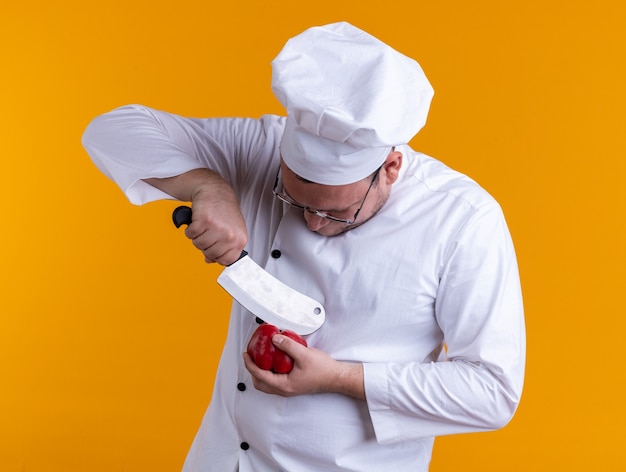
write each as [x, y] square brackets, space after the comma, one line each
[267, 356]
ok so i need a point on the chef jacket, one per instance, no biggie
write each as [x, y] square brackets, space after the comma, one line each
[426, 295]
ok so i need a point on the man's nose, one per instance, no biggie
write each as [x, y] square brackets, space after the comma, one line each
[314, 222]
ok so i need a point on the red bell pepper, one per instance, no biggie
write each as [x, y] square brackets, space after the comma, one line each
[267, 356]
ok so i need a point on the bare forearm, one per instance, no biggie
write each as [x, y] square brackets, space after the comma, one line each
[350, 380]
[187, 186]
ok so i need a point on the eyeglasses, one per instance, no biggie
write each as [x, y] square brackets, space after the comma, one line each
[281, 195]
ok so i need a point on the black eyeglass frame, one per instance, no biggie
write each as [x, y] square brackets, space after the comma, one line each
[287, 199]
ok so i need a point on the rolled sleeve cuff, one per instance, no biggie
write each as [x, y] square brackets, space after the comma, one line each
[378, 395]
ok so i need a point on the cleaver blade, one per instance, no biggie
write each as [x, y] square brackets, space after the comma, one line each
[263, 294]
[270, 299]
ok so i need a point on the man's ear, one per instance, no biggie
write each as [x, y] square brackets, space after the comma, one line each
[391, 167]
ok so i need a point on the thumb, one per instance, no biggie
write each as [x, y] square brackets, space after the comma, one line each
[286, 344]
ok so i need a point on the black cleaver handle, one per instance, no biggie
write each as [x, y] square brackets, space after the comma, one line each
[182, 216]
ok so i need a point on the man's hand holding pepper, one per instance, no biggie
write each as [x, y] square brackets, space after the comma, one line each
[313, 371]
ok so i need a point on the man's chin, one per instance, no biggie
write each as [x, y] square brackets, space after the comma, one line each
[330, 232]
[336, 231]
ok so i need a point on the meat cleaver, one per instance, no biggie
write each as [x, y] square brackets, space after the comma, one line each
[262, 294]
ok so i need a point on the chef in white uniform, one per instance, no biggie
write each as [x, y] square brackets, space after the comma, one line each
[413, 261]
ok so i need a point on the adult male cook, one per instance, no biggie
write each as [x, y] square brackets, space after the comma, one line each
[424, 331]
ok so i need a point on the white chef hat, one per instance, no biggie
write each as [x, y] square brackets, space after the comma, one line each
[349, 98]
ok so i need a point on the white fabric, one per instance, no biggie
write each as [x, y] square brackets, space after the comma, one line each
[435, 265]
[328, 162]
[349, 98]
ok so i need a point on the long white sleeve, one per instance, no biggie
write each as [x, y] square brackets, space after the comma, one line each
[479, 309]
[134, 142]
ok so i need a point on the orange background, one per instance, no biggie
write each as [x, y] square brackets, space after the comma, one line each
[111, 325]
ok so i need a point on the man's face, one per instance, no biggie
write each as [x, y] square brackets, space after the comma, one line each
[341, 201]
